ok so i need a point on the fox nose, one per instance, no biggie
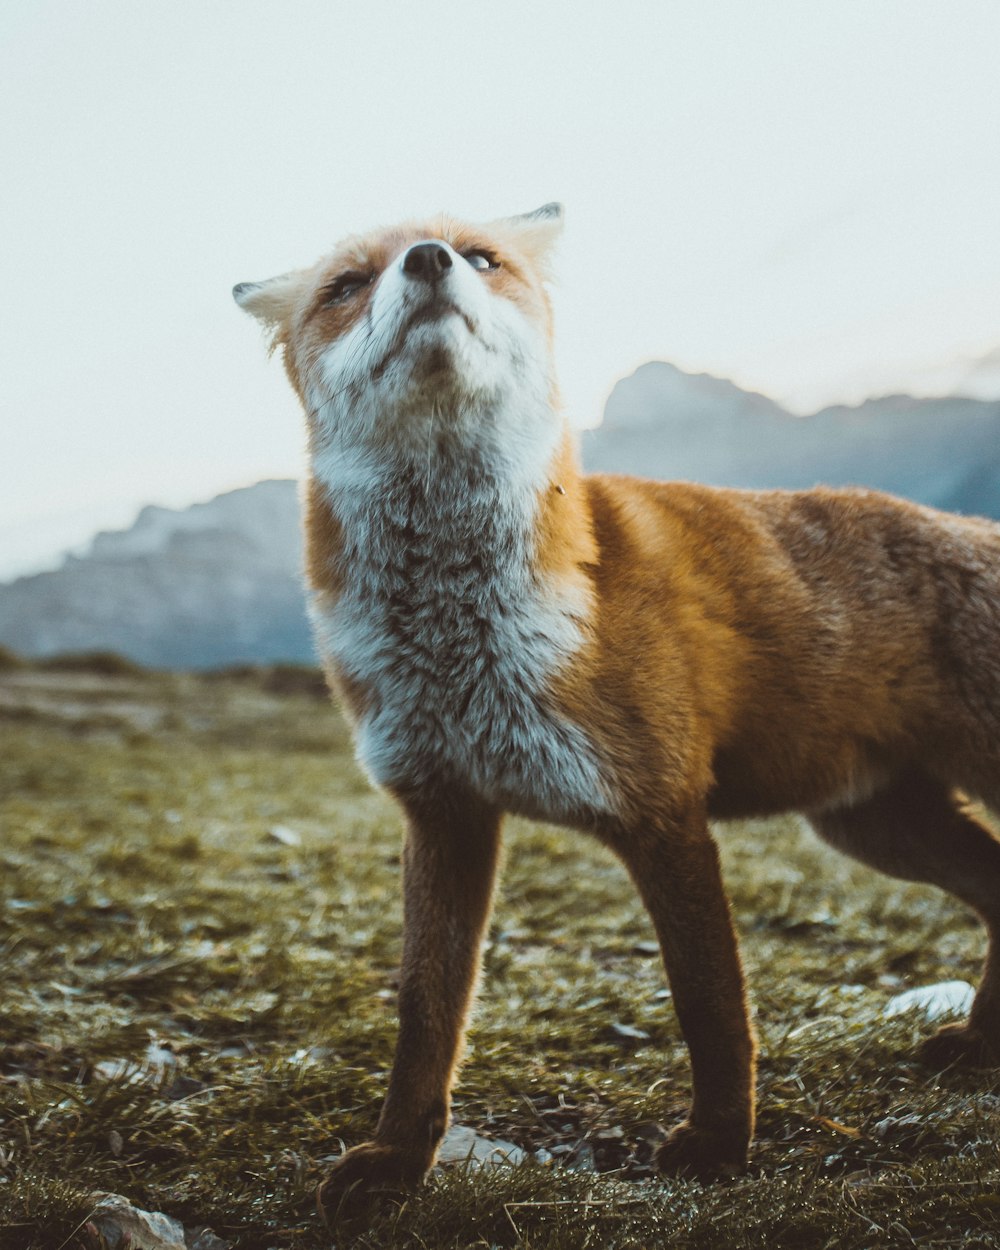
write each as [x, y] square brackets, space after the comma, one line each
[427, 262]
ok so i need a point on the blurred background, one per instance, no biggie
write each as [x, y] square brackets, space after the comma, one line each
[781, 264]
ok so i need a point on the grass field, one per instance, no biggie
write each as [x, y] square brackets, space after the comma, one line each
[199, 933]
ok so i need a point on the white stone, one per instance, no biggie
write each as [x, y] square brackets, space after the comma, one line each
[122, 1226]
[285, 835]
[946, 998]
[463, 1146]
[118, 1225]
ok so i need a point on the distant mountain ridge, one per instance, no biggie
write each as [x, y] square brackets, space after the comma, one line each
[661, 422]
[214, 584]
[219, 583]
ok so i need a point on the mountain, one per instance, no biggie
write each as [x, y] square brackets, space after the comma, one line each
[219, 583]
[664, 423]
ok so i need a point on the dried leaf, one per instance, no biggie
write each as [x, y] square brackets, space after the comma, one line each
[845, 1130]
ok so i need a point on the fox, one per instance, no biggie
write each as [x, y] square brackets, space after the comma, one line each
[634, 659]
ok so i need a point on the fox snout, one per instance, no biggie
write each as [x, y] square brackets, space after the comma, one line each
[431, 286]
[429, 261]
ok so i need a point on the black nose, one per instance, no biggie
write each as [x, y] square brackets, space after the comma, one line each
[428, 262]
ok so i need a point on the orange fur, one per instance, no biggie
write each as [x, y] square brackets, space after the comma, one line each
[724, 654]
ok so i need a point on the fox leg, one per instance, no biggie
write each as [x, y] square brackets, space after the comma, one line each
[449, 867]
[918, 831]
[676, 870]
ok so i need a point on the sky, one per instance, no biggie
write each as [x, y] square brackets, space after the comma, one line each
[800, 195]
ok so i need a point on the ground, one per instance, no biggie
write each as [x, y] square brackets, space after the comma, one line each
[199, 934]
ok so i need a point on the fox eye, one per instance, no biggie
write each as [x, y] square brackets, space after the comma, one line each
[346, 285]
[480, 259]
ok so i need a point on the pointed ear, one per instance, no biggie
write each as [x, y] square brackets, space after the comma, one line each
[272, 301]
[553, 211]
[539, 229]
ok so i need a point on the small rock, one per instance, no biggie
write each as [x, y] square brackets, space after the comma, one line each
[237, 1050]
[119, 1071]
[117, 1224]
[310, 1056]
[946, 998]
[205, 1239]
[463, 1145]
[646, 948]
[284, 835]
[629, 1033]
[158, 1066]
[160, 1062]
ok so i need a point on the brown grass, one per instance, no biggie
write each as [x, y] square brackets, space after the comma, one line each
[198, 1016]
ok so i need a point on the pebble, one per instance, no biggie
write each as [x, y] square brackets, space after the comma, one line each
[464, 1146]
[946, 998]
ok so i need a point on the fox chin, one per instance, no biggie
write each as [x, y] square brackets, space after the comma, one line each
[627, 657]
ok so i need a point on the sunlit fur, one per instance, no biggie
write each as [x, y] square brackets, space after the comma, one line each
[431, 442]
[626, 656]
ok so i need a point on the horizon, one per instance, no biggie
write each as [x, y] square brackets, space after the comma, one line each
[799, 198]
[54, 558]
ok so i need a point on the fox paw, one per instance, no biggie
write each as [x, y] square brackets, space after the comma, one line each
[958, 1046]
[363, 1169]
[704, 1154]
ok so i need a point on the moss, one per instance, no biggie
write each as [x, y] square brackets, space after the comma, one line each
[198, 1015]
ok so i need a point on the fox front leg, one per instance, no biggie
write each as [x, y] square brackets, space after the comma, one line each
[449, 867]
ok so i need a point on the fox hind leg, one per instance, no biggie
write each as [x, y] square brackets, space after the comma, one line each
[676, 869]
[917, 830]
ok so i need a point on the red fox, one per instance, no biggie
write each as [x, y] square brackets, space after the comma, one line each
[628, 657]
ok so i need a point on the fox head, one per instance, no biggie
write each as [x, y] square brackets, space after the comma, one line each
[434, 330]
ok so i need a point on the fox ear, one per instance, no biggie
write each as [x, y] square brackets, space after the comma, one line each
[272, 301]
[553, 211]
[539, 229]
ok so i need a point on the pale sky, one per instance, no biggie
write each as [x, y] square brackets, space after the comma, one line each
[800, 195]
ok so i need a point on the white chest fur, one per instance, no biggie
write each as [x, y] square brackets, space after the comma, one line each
[455, 640]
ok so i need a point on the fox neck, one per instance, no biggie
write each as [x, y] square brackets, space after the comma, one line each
[502, 476]
[451, 603]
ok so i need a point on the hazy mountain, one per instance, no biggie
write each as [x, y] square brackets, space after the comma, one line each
[664, 423]
[219, 583]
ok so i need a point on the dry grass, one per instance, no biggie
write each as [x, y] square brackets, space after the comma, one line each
[197, 1015]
